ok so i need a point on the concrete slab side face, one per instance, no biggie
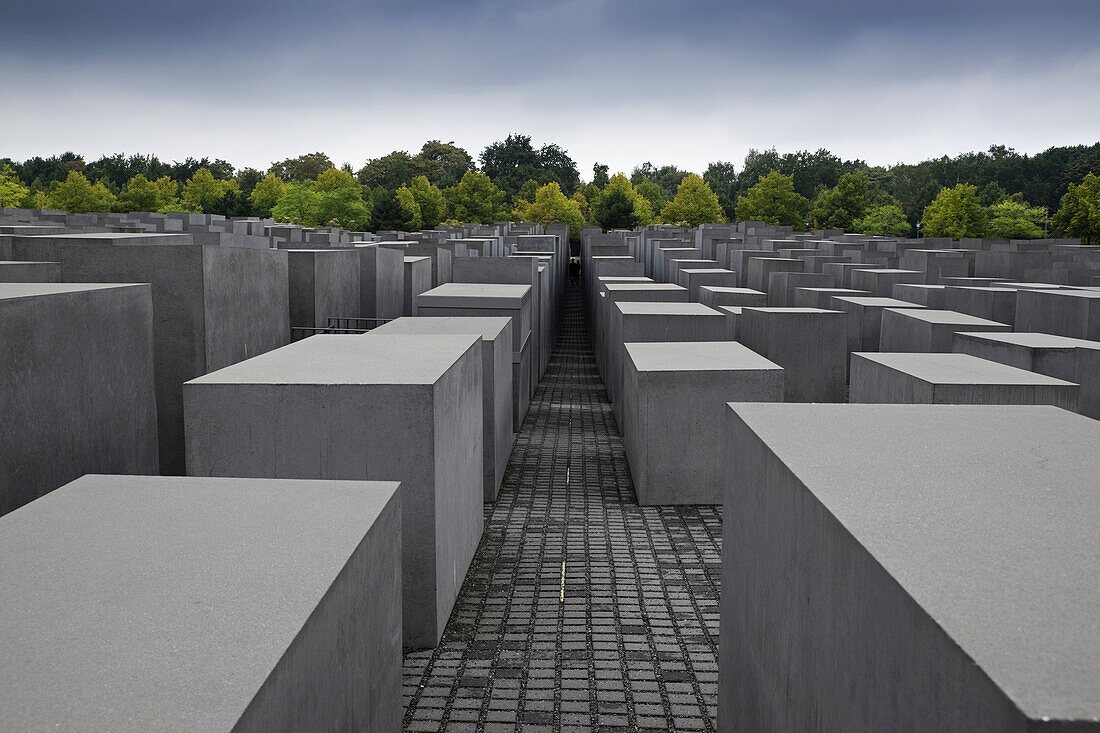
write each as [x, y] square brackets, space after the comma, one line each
[809, 343]
[77, 394]
[674, 410]
[944, 581]
[953, 379]
[295, 412]
[100, 637]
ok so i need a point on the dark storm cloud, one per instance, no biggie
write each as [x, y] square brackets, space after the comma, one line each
[688, 81]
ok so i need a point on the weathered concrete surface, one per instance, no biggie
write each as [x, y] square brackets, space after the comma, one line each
[137, 603]
[1064, 312]
[77, 393]
[783, 285]
[212, 306]
[928, 330]
[612, 293]
[373, 407]
[807, 342]
[418, 279]
[29, 272]
[880, 282]
[381, 281]
[953, 379]
[929, 296]
[714, 296]
[994, 304]
[1061, 357]
[864, 315]
[819, 297]
[693, 278]
[323, 284]
[674, 409]
[496, 386]
[942, 578]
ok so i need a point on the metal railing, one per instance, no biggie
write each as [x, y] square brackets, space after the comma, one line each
[337, 325]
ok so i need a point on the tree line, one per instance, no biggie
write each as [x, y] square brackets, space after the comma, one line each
[996, 193]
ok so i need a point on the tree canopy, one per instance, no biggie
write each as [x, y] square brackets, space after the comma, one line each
[956, 213]
[475, 199]
[78, 195]
[774, 201]
[842, 205]
[1079, 215]
[620, 206]
[511, 162]
[694, 204]
[550, 205]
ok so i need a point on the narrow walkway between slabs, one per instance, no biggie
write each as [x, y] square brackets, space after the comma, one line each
[581, 610]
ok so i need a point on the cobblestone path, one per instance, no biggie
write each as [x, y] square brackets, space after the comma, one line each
[629, 640]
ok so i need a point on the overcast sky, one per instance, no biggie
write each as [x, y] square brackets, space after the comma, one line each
[617, 81]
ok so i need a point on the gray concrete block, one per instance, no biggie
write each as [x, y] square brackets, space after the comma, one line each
[1069, 359]
[323, 284]
[928, 330]
[693, 279]
[807, 342]
[714, 296]
[381, 282]
[958, 379]
[783, 285]
[696, 263]
[929, 296]
[376, 407]
[496, 385]
[212, 306]
[417, 280]
[29, 272]
[820, 297]
[633, 322]
[494, 299]
[674, 405]
[733, 320]
[995, 304]
[880, 282]
[138, 603]
[613, 293]
[760, 269]
[842, 271]
[1064, 312]
[77, 394]
[942, 578]
[864, 316]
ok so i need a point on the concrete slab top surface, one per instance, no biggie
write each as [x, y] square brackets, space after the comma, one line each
[97, 236]
[923, 286]
[696, 356]
[665, 309]
[478, 295]
[352, 359]
[725, 289]
[1070, 293]
[708, 270]
[14, 291]
[936, 315]
[985, 514]
[488, 327]
[982, 288]
[875, 301]
[136, 603]
[612, 279]
[893, 271]
[623, 287]
[1033, 340]
[417, 258]
[790, 310]
[960, 369]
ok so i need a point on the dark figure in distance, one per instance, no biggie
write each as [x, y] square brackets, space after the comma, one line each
[574, 271]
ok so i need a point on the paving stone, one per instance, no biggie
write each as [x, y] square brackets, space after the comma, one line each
[637, 632]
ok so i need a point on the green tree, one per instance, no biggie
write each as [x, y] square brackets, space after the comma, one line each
[620, 206]
[550, 205]
[388, 213]
[1011, 219]
[443, 164]
[428, 200]
[956, 213]
[1079, 214]
[667, 177]
[334, 179]
[600, 175]
[774, 201]
[887, 220]
[527, 192]
[266, 194]
[390, 171]
[342, 207]
[297, 205]
[722, 177]
[408, 202]
[203, 191]
[77, 195]
[12, 191]
[247, 180]
[653, 194]
[475, 199]
[695, 204]
[303, 168]
[513, 161]
[141, 194]
[842, 205]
